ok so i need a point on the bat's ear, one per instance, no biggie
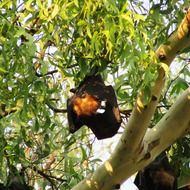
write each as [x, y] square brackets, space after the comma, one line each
[73, 90]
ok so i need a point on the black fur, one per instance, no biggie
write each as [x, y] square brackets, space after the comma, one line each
[152, 177]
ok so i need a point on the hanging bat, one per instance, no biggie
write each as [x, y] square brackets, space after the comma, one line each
[95, 105]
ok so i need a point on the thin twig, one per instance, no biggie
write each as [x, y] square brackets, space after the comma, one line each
[46, 176]
[48, 73]
[57, 110]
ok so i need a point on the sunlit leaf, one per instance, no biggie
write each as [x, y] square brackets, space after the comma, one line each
[55, 10]
[28, 5]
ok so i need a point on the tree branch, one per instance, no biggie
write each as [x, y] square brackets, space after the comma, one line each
[176, 120]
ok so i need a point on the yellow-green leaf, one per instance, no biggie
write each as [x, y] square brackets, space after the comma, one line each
[55, 11]
[89, 32]
[28, 5]
[76, 3]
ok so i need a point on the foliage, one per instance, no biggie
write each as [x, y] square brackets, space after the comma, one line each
[48, 47]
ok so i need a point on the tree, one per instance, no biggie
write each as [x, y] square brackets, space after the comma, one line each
[48, 47]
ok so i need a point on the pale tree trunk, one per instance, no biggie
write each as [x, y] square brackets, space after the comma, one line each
[138, 146]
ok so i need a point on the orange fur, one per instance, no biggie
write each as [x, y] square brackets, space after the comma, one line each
[86, 105]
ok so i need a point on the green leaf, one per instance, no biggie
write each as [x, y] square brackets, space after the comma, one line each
[55, 11]
[2, 70]
[28, 5]
[84, 155]
[76, 3]
[88, 31]
[46, 150]
[179, 85]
